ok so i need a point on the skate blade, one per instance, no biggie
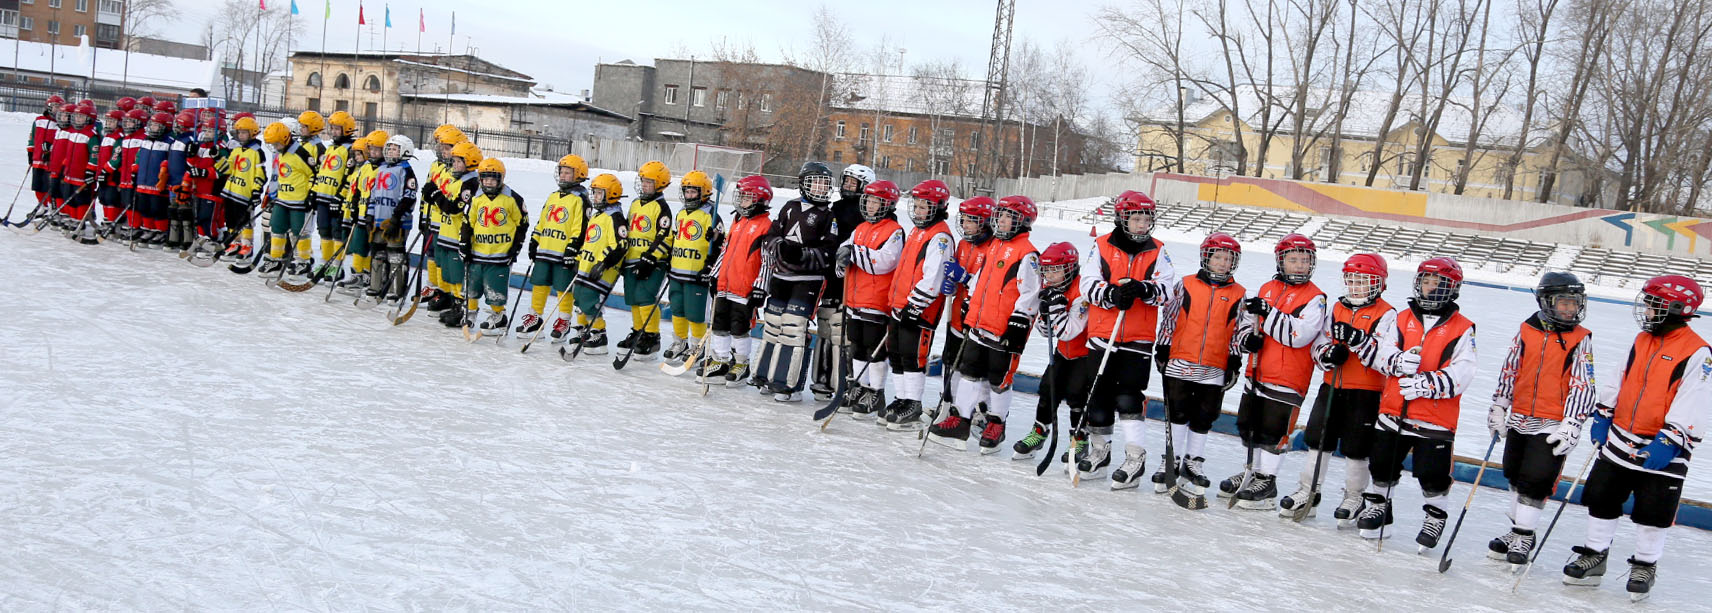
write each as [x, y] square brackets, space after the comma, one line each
[1638, 596]
[1494, 555]
[1345, 524]
[989, 450]
[954, 443]
[1592, 581]
[1423, 549]
[1024, 456]
[1375, 534]
[1192, 502]
[1126, 485]
[860, 416]
[1257, 505]
[1224, 494]
[905, 427]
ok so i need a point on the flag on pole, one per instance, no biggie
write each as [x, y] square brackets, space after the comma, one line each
[389, 16]
[360, 20]
[264, 4]
[454, 23]
[328, 14]
[294, 7]
[421, 21]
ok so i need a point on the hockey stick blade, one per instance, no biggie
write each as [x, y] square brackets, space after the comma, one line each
[1051, 450]
[831, 407]
[1192, 502]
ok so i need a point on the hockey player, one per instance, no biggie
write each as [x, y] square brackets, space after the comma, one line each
[294, 164]
[76, 149]
[461, 183]
[1199, 357]
[123, 171]
[832, 354]
[387, 210]
[651, 234]
[367, 154]
[974, 222]
[181, 201]
[605, 241]
[439, 293]
[55, 206]
[1545, 392]
[1003, 304]
[336, 161]
[1428, 358]
[1646, 431]
[1126, 272]
[866, 263]
[42, 132]
[201, 184]
[1285, 317]
[698, 237]
[801, 245]
[917, 299]
[553, 247]
[107, 155]
[738, 292]
[1064, 317]
[1347, 405]
[496, 227]
[149, 224]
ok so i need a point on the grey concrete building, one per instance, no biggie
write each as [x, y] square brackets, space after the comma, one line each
[724, 103]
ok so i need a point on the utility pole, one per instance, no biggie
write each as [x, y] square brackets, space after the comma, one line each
[993, 103]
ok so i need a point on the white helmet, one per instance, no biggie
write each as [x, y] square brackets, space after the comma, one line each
[863, 175]
[406, 147]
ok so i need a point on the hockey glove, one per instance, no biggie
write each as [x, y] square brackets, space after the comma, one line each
[1564, 438]
[1348, 334]
[1252, 343]
[955, 277]
[845, 256]
[791, 251]
[1336, 355]
[643, 267]
[1016, 333]
[1161, 355]
[1495, 418]
[1257, 306]
[1600, 430]
[534, 249]
[1415, 386]
[1233, 371]
[757, 299]
[197, 172]
[1659, 453]
[910, 314]
[1405, 363]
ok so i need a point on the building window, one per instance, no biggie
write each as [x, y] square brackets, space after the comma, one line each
[372, 83]
[975, 140]
[370, 109]
[53, 4]
[53, 27]
[342, 81]
[112, 6]
[766, 103]
[941, 167]
[719, 99]
[838, 156]
[909, 165]
[886, 133]
[671, 94]
[106, 33]
[912, 135]
[968, 169]
[27, 23]
[314, 104]
[78, 31]
[82, 6]
[314, 80]
[8, 18]
[838, 131]
[698, 96]
[341, 105]
[862, 135]
[885, 162]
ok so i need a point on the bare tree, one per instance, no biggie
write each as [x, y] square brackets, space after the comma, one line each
[1309, 26]
[1442, 66]
[1533, 24]
[1149, 33]
[1403, 22]
[1594, 19]
[831, 53]
[251, 40]
[143, 18]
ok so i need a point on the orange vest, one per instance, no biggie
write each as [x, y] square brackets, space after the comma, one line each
[1542, 373]
[995, 294]
[904, 280]
[1206, 322]
[1142, 323]
[866, 290]
[741, 263]
[1435, 347]
[970, 256]
[1073, 348]
[1649, 387]
[1277, 363]
[1352, 374]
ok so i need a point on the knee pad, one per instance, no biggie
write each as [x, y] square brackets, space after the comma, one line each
[793, 330]
[1129, 406]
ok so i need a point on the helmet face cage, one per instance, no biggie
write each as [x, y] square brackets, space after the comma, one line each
[1563, 306]
[490, 181]
[850, 186]
[747, 201]
[982, 224]
[1128, 221]
[876, 208]
[598, 194]
[393, 152]
[817, 187]
[1210, 262]
[923, 212]
[1652, 311]
[1295, 278]
[1007, 223]
[1441, 292]
[1361, 289]
[1064, 273]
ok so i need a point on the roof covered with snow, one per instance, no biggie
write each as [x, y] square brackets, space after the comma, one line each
[537, 97]
[141, 69]
[918, 95]
[1503, 124]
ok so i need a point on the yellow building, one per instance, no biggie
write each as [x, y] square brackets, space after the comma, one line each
[1210, 137]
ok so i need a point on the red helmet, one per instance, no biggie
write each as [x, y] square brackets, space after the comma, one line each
[1664, 297]
[68, 108]
[1215, 243]
[126, 103]
[1022, 212]
[1364, 278]
[1130, 203]
[139, 114]
[885, 194]
[84, 101]
[54, 101]
[185, 120]
[1294, 243]
[754, 194]
[164, 119]
[237, 116]
[1448, 286]
[147, 102]
[979, 206]
[933, 190]
[116, 114]
[166, 106]
[1061, 258]
[86, 108]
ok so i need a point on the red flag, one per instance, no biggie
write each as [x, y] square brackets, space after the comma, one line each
[264, 4]
[360, 20]
[421, 21]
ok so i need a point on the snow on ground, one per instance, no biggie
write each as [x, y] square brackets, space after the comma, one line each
[177, 437]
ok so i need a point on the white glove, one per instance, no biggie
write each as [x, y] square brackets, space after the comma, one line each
[1407, 362]
[1495, 419]
[1564, 439]
[1414, 386]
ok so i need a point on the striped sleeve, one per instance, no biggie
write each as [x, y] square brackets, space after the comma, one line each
[1506, 392]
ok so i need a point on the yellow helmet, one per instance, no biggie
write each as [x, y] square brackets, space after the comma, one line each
[312, 122]
[448, 134]
[277, 135]
[656, 171]
[613, 188]
[491, 165]
[576, 163]
[699, 180]
[472, 155]
[347, 124]
[376, 139]
[246, 123]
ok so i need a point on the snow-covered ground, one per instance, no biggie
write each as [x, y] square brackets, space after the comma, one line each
[183, 438]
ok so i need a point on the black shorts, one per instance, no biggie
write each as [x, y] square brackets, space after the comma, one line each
[1342, 420]
[1265, 423]
[1066, 381]
[1432, 463]
[1120, 389]
[1530, 465]
[865, 337]
[1610, 484]
[39, 180]
[908, 346]
[732, 317]
[1195, 404]
[990, 364]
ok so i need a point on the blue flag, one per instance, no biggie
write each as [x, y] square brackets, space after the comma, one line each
[389, 15]
[294, 7]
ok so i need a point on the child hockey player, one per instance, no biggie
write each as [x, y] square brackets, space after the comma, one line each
[461, 184]
[974, 222]
[387, 208]
[1003, 303]
[367, 153]
[123, 171]
[1063, 317]
[246, 172]
[699, 236]
[437, 191]
[866, 264]
[76, 149]
[1545, 392]
[201, 184]
[1646, 431]
[149, 227]
[336, 160]
[801, 247]
[651, 233]
[295, 162]
[1198, 356]
[739, 294]
[42, 132]
[605, 241]
[832, 348]
[553, 247]
[496, 226]
[917, 298]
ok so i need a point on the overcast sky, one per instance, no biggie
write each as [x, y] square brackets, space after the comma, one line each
[559, 42]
